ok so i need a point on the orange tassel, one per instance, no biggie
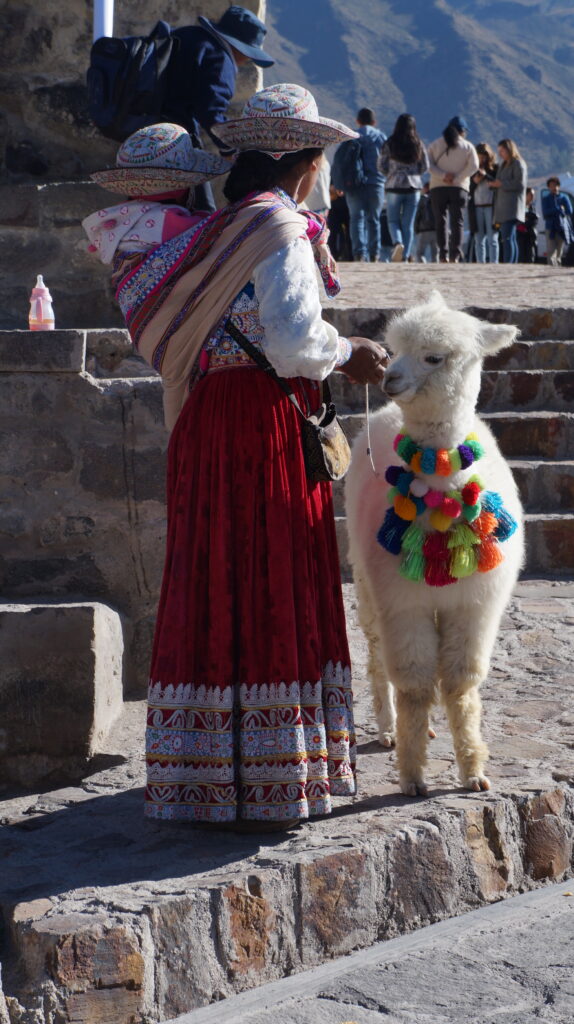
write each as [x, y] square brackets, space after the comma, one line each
[442, 467]
[484, 524]
[489, 555]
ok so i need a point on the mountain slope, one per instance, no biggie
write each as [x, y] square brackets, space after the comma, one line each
[506, 65]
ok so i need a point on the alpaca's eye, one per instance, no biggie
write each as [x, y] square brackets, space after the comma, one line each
[433, 360]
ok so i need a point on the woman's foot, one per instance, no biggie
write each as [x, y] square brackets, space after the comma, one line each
[397, 253]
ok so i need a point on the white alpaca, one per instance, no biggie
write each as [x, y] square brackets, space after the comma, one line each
[425, 638]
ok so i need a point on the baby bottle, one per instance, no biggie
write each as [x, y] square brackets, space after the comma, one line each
[41, 313]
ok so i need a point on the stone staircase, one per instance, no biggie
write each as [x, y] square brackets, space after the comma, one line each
[527, 398]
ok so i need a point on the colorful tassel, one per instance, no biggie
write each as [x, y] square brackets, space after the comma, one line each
[470, 493]
[412, 566]
[433, 499]
[413, 538]
[489, 555]
[463, 563]
[442, 465]
[428, 461]
[507, 525]
[416, 462]
[451, 507]
[390, 535]
[484, 524]
[462, 536]
[403, 483]
[471, 512]
[437, 558]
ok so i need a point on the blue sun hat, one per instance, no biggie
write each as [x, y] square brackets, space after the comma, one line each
[242, 29]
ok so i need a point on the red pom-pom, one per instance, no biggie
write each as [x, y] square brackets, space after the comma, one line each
[470, 493]
[450, 507]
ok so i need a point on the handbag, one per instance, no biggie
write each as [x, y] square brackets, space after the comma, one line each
[326, 451]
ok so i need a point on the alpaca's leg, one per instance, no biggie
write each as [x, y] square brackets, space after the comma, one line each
[381, 688]
[410, 646]
[466, 639]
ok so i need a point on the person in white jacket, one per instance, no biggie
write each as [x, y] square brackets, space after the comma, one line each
[452, 162]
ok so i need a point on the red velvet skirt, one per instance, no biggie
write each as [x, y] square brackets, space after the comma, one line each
[250, 705]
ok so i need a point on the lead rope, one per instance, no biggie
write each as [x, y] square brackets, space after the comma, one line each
[369, 451]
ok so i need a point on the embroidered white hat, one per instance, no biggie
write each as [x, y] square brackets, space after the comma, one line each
[159, 158]
[282, 119]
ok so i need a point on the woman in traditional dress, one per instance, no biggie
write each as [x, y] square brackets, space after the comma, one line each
[250, 719]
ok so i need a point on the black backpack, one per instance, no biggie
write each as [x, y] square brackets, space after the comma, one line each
[126, 81]
[347, 170]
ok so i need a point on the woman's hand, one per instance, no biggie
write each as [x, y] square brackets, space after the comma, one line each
[495, 184]
[367, 362]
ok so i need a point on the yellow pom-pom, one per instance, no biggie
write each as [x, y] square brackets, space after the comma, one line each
[405, 508]
[471, 437]
[439, 521]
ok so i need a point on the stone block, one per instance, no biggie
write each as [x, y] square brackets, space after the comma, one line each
[549, 544]
[61, 687]
[533, 435]
[42, 351]
[338, 904]
[95, 963]
[547, 836]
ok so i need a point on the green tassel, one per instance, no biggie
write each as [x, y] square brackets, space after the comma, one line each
[471, 512]
[461, 536]
[413, 539]
[412, 566]
[463, 563]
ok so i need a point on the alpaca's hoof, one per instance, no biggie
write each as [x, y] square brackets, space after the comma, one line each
[432, 733]
[477, 783]
[414, 788]
[387, 739]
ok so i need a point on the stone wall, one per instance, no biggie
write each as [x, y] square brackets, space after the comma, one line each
[45, 133]
[82, 467]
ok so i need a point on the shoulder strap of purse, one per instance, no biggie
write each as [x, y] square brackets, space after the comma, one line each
[264, 364]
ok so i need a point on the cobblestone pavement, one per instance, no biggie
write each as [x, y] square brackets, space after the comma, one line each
[373, 285]
[82, 860]
[511, 963]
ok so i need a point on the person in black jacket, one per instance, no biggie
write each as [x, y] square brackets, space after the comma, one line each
[425, 229]
[526, 233]
[203, 70]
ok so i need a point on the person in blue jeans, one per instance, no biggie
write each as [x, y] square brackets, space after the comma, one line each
[366, 201]
[403, 160]
[510, 198]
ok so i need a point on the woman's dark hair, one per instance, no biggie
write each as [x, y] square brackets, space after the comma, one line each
[483, 149]
[451, 136]
[405, 144]
[258, 172]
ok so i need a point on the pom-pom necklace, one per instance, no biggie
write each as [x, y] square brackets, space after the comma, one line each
[466, 523]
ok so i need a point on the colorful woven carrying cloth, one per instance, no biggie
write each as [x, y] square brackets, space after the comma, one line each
[172, 297]
[466, 524]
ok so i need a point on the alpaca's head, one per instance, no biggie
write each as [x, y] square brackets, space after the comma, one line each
[437, 356]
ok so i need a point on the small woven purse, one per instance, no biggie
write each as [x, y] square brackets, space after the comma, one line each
[326, 450]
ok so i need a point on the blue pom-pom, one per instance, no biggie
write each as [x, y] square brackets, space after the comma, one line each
[506, 525]
[390, 535]
[392, 474]
[404, 482]
[428, 461]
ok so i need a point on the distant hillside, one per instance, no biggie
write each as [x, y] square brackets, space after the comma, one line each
[506, 65]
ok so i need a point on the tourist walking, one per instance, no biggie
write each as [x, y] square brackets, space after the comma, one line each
[452, 161]
[403, 160]
[203, 70]
[426, 247]
[481, 206]
[510, 196]
[557, 213]
[365, 201]
[250, 710]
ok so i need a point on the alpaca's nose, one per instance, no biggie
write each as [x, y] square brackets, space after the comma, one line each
[393, 383]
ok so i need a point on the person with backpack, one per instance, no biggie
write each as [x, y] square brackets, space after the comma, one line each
[355, 172]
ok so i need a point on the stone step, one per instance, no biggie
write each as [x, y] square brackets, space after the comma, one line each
[552, 390]
[521, 435]
[533, 355]
[549, 545]
[545, 486]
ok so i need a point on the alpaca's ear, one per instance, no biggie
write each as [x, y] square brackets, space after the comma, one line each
[493, 337]
[435, 299]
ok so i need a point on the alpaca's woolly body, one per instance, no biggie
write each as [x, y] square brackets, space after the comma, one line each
[424, 638]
